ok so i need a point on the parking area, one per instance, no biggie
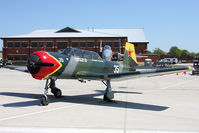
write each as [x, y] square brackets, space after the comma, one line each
[159, 103]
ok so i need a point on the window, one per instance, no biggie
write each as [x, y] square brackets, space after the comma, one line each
[34, 44]
[95, 56]
[17, 57]
[10, 57]
[24, 44]
[78, 53]
[116, 44]
[101, 43]
[24, 57]
[69, 51]
[74, 44]
[87, 55]
[17, 44]
[9, 44]
[109, 43]
[49, 44]
[62, 45]
[41, 44]
[82, 44]
[90, 44]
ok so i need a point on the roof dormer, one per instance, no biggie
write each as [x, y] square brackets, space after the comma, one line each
[67, 29]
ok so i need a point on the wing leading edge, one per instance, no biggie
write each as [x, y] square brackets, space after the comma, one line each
[135, 74]
[103, 76]
[22, 69]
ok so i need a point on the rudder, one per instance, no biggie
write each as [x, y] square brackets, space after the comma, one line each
[129, 56]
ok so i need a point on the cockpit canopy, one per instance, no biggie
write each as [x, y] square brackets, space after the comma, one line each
[81, 53]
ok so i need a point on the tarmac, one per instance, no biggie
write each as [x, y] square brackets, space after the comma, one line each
[166, 103]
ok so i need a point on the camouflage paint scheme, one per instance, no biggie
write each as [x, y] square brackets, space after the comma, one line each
[69, 66]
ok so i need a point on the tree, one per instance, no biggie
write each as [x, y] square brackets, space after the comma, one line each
[159, 52]
[149, 52]
[197, 54]
[186, 53]
[174, 51]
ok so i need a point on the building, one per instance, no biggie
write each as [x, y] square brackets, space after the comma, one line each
[19, 48]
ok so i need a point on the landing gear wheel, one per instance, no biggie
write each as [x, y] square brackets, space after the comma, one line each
[193, 73]
[109, 95]
[57, 92]
[105, 98]
[44, 101]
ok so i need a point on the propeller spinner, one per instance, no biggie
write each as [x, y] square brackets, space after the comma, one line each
[41, 65]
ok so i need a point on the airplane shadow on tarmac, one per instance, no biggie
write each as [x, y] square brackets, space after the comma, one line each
[88, 99]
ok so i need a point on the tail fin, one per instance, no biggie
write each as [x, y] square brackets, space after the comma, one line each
[129, 56]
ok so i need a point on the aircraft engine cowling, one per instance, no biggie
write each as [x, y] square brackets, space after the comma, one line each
[107, 53]
[41, 65]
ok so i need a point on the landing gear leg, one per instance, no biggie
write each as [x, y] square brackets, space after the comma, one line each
[57, 92]
[109, 95]
[44, 99]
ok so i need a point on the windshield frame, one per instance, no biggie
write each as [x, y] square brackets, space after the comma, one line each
[82, 53]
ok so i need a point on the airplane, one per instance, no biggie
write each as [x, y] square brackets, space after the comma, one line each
[82, 65]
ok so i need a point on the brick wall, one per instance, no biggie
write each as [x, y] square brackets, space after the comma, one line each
[153, 57]
[140, 48]
[19, 51]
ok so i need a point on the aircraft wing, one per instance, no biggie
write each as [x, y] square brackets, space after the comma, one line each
[135, 74]
[18, 68]
[147, 73]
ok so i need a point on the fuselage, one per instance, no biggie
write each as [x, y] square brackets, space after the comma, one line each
[67, 64]
[74, 64]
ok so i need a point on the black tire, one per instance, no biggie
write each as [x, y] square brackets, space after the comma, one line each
[57, 92]
[44, 101]
[193, 72]
[53, 90]
[105, 98]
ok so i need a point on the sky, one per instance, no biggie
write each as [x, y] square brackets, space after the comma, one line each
[166, 23]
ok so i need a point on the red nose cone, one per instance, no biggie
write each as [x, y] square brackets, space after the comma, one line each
[46, 71]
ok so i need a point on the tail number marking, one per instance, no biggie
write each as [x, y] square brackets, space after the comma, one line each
[116, 69]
